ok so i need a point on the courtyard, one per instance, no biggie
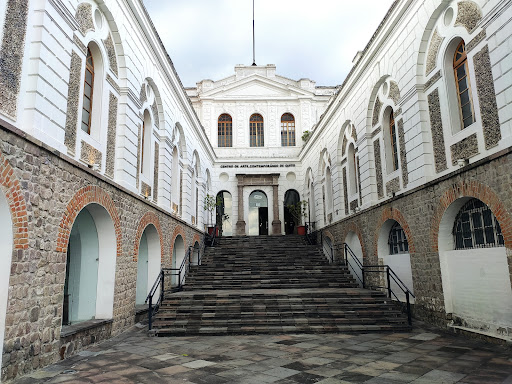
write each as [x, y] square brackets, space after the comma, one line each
[426, 355]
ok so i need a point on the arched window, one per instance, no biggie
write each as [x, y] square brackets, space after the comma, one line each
[392, 136]
[88, 92]
[460, 68]
[476, 227]
[225, 124]
[145, 149]
[287, 130]
[351, 159]
[256, 130]
[397, 240]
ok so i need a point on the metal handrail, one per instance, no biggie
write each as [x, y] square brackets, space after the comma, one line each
[160, 280]
[390, 274]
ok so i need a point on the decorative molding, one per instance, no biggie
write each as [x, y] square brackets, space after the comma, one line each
[73, 101]
[436, 129]
[394, 92]
[468, 15]
[393, 186]
[111, 53]
[156, 172]
[154, 109]
[437, 76]
[403, 153]
[376, 132]
[89, 154]
[78, 43]
[464, 149]
[487, 98]
[376, 111]
[111, 136]
[63, 11]
[476, 40]
[378, 168]
[433, 49]
[113, 83]
[11, 55]
[345, 190]
[84, 18]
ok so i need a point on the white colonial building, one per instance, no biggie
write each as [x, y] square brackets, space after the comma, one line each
[106, 159]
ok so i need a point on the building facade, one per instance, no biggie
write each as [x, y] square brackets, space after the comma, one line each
[106, 160]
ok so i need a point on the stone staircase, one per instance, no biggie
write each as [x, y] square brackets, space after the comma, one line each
[273, 284]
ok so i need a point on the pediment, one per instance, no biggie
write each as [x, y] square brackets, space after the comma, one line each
[255, 87]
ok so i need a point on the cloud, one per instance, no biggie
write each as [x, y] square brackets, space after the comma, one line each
[316, 39]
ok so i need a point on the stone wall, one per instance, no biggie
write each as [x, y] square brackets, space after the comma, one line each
[53, 189]
[419, 212]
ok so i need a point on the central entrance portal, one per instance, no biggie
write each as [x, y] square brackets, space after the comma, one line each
[291, 197]
[258, 214]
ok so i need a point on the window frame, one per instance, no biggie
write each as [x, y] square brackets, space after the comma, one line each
[393, 141]
[471, 210]
[225, 131]
[88, 68]
[462, 62]
[256, 131]
[288, 131]
[401, 246]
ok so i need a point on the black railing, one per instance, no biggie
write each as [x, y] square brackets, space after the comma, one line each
[389, 274]
[176, 286]
[311, 233]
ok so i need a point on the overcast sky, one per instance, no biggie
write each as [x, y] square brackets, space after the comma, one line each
[316, 39]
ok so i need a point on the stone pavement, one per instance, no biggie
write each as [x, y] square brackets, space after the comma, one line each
[423, 356]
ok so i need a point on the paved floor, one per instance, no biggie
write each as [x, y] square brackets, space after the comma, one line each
[424, 356]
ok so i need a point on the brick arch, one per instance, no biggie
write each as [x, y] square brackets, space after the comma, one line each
[17, 205]
[85, 196]
[329, 235]
[479, 191]
[147, 219]
[393, 214]
[195, 239]
[177, 231]
[352, 227]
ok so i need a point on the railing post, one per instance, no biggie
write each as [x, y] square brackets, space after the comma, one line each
[389, 282]
[150, 312]
[409, 316]
[179, 279]
[362, 274]
[162, 288]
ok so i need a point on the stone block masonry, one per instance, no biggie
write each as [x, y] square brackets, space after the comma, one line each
[419, 212]
[46, 190]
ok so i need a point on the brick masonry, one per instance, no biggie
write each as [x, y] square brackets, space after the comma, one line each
[419, 212]
[46, 191]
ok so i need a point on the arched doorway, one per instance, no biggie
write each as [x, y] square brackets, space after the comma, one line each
[90, 267]
[258, 213]
[178, 254]
[352, 240]
[474, 267]
[148, 263]
[6, 239]
[224, 213]
[291, 197]
[393, 250]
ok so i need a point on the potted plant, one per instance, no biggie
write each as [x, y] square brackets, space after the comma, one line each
[299, 211]
[210, 204]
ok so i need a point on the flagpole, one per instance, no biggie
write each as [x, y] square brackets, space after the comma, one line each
[253, 39]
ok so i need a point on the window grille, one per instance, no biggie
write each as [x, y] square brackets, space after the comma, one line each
[287, 130]
[476, 227]
[256, 131]
[88, 92]
[397, 240]
[460, 67]
[225, 131]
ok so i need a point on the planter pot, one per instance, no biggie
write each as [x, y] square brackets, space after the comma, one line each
[211, 229]
[301, 230]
